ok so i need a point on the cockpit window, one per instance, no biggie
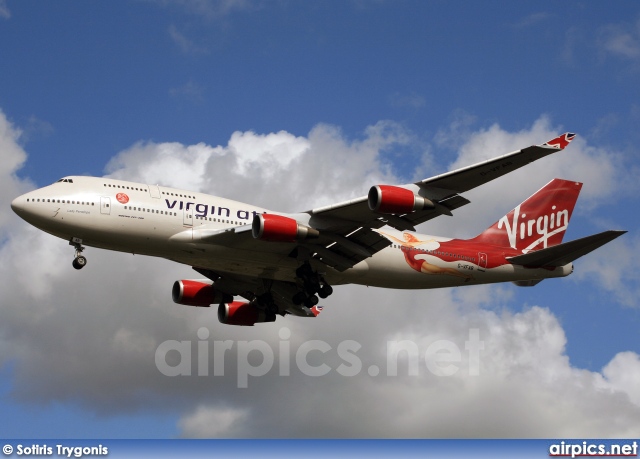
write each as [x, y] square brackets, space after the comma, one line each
[65, 180]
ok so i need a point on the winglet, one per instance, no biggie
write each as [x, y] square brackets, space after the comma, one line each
[561, 141]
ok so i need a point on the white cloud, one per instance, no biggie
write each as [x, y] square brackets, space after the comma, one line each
[88, 337]
[186, 45]
[4, 10]
[623, 374]
[249, 166]
[600, 169]
[13, 157]
[621, 40]
[613, 269]
[169, 164]
[190, 91]
[211, 9]
[532, 20]
[211, 422]
[412, 100]
[267, 153]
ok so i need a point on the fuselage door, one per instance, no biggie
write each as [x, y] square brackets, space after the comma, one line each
[188, 215]
[482, 261]
[105, 205]
[154, 191]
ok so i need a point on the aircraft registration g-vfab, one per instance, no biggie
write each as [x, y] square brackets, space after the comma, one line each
[280, 263]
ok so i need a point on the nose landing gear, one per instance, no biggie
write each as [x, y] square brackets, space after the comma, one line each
[79, 261]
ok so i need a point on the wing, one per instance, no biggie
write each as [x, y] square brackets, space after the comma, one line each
[266, 271]
[351, 222]
[347, 230]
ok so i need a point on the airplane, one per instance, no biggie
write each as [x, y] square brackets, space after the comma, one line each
[283, 263]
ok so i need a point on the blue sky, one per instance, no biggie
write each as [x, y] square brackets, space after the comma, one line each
[125, 71]
[353, 91]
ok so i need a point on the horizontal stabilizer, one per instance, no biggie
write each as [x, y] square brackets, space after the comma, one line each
[561, 254]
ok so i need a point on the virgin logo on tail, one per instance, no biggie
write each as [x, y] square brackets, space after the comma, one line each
[521, 229]
[539, 222]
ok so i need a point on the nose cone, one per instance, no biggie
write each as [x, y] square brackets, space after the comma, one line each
[22, 207]
[18, 205]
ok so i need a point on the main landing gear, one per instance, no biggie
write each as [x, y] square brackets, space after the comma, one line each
[79, 261]
[265, 302]
[313, 286]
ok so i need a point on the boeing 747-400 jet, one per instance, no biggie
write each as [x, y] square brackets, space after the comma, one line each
[281, 263]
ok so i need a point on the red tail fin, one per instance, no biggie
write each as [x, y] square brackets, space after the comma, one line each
[538, 222]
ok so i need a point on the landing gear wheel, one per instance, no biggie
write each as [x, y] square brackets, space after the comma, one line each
[311, 287]
[299, 298]
[79, 262]
[311, 301]
[325, 291]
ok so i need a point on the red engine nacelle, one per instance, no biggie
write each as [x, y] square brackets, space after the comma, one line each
[276, 228]
[389, 199]
[196, 293]
[240, 313]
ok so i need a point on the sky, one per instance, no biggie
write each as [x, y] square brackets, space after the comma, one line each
[291, 105]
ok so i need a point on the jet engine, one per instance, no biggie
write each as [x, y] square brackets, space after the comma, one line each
[240, 313]
[276, 228]
[197, 293]
[389, 199]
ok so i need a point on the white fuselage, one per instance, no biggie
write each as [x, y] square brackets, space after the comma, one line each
[159, 221]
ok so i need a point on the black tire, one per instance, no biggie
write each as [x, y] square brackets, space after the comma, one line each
[311, 287]
[311, 301]
[325, 291]
[80, 262]
[299, 298]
